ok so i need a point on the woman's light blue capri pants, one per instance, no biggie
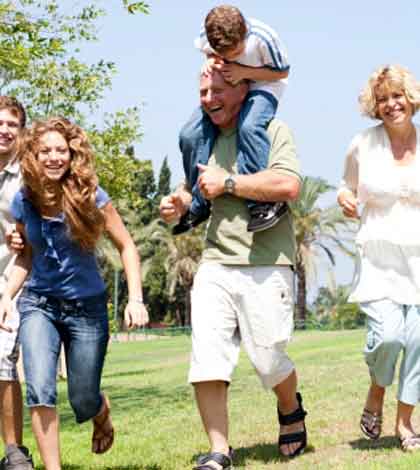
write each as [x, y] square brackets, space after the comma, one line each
[393, 328]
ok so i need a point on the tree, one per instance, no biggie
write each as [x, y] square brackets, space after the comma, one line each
[40, 64]
[319, 231]
[164, 185]
[332, 309]
[181, 256]
[38, 42]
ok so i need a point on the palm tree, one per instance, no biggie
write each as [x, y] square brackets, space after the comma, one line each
[319, 231]
[183, 254]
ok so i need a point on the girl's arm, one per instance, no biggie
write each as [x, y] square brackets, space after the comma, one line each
[135, 314]
[20, 271]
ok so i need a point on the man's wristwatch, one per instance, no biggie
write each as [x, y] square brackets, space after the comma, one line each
[230, 184]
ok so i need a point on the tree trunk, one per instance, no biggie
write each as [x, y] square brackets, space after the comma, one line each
[301, 296]
[188, 307]
[178, 318]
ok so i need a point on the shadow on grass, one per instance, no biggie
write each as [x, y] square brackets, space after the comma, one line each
[114, 467]
[267, 453]
[386, 442]
[130, 373]
[125, 400]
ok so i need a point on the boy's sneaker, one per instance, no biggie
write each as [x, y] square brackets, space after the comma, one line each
[188, 221]
[265, 215]
[17, 458]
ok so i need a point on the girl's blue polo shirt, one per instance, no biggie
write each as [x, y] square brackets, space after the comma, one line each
[60, 267]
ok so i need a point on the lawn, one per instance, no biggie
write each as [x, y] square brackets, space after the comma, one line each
[158, 428]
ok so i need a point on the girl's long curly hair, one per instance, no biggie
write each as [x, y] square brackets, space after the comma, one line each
[75, 193]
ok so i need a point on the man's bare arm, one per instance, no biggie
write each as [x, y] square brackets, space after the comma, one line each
[266, 186]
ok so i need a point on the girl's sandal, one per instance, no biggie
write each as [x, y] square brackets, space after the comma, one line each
[371, 424]
[103, 430]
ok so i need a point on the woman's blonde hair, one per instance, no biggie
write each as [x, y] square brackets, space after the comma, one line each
[389, 77]
[76, 191]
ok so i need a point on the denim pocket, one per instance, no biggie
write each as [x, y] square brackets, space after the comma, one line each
[26, 301]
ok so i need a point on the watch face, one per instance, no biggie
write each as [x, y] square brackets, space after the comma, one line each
[229, 184]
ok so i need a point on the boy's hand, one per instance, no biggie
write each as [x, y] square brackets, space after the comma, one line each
[233, 73]
[211, 181]
[14, 240]
[212, 63]
[6, 311]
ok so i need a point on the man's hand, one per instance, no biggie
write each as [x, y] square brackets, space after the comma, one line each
[211, 181]
[172, 208]
[233, 73]
[348, 202]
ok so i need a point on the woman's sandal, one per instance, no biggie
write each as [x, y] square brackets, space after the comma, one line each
[295, 437]
[410, 443]
[204, 462]
[371, 424]
[103, 430]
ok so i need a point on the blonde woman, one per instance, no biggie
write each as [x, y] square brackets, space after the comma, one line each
[61, 212]
[382, 174]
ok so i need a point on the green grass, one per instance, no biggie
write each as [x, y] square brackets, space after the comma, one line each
[158, 428]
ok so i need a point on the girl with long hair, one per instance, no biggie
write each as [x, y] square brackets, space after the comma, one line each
[61, 212]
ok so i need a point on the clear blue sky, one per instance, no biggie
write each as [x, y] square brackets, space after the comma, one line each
[332, 46]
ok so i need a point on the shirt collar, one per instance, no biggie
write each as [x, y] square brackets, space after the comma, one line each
[12, 167]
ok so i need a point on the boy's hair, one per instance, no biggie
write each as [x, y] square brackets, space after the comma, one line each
[15, 107]
[225, 28]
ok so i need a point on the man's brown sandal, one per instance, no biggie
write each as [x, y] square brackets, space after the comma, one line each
[103, 430]
[371, 424]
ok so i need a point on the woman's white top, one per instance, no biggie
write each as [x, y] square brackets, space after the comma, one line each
[388, 240]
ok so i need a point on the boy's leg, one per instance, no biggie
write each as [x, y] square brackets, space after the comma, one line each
[11, 412]
[254, 145]
[258, 109]
[45, 425]
[196, 141]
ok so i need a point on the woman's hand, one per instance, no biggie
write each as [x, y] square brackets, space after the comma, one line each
[135, 315]
[348, 202]
[6, 312]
